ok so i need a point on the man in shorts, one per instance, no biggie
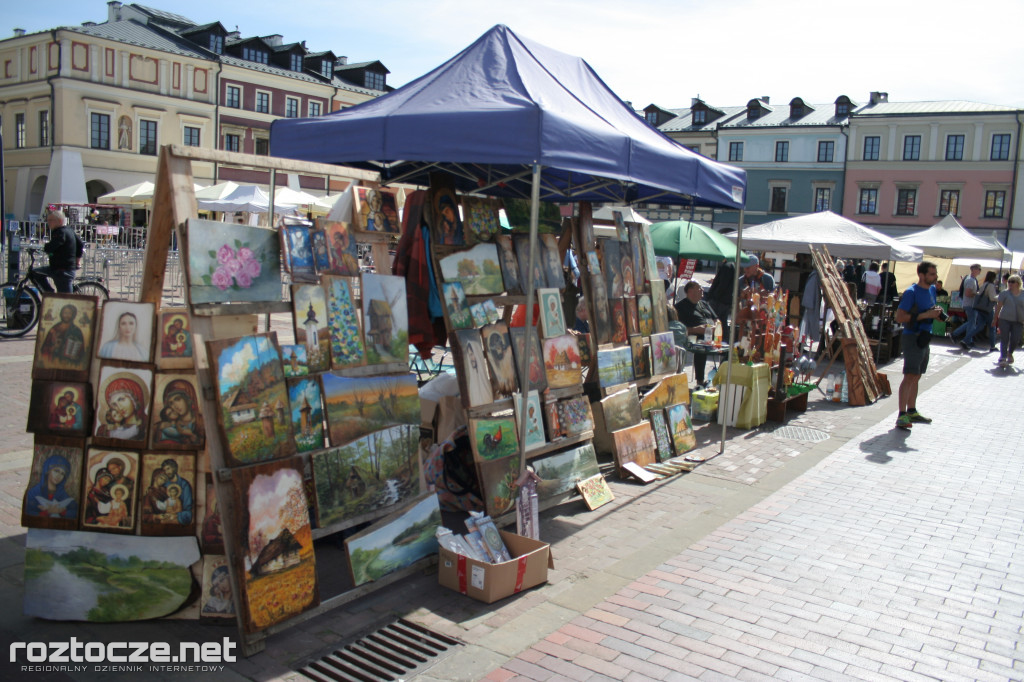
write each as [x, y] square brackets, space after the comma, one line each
[915, 312]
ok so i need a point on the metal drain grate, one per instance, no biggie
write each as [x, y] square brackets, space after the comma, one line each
[800, 433]
[395, 652]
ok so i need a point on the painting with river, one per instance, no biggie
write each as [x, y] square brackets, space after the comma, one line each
[398, 541]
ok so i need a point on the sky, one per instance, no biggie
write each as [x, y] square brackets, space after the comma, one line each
[655, 51]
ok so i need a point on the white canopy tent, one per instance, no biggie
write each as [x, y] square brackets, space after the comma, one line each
[247, 198]
[604, 214]
[949, 239]
[216, 192]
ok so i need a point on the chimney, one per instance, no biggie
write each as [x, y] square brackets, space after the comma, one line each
[19, 32]
[274, 39]
[88, 23]
[113, 11]
[765, 99]
[234, 35]
[879, 97]
[693, 101]
[341, 61]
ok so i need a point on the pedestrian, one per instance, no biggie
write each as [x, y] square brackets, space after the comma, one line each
[889, 286]
[65, 249]
[915, 312]
[1010, 319]
[968, 289]
[720, 293]
[984, 303]
[754, 277]
[696, 315]
[871, 281]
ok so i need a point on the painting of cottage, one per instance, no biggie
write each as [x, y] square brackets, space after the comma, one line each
[386, 319]
[562, 363]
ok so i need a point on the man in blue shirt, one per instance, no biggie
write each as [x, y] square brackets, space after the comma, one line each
[915, 312]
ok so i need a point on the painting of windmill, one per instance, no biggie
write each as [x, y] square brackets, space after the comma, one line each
[386, 319]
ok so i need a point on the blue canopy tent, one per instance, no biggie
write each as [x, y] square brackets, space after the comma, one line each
[513, 118]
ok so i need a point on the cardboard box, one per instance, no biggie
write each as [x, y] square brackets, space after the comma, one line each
[488, 583]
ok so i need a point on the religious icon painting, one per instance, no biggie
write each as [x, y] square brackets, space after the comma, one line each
[109, 490]
[481, 218]
[620, 331]
[252, 399]
[634, 444]
[535, 370]
[595, 492]
[522, 244]
[552, 317]
[632, 316]
[662, 438]
[216, 601]
[593, 264]
[60, 408]
[641, 364]
[443, 214]
[307, 412]
[297, 249]
[585, 227]
[636, 248]
[376, 210]
[562, 364]
[126, 332]
[212, 535]
[645, 315]
[309, 305]
[177, 421]
[479, 314]
[533, 416]
[659, 305]
[174, 346]
[663, 352]
[552, 421]
[294, 360]
[575, 415]
[586, 346]
[549, 253]
[680, 428]
[122, 405]
[477, 269]
[610, 264]
[494, 437]
[626, 270]
[318, 243]
[232, 263]
[167, 494]
[474, 383]
[386, 316]
[343, 326]
[456, 306]
[509, 264]
[54, 495]
[498, 347]
[341, 248]
[601, 317]
[621, 232]
[65, 337]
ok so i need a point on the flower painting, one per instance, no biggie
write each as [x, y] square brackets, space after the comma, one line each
[228, 263]
[346, 334]
[595, 492]
[663, 352]
[309, 305]
[662, 438]
[481, 223]
[386, 316]
[575, 415]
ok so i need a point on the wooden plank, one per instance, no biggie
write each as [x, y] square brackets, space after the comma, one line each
[272, 163]
[219, 309]
[174, 201]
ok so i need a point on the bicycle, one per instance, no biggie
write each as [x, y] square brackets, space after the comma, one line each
[22, 302]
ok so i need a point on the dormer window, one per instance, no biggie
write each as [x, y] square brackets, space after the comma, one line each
[796, 111]
[753, 112]
[843, 106]
[216, 43]
[374, 80]
[652, 118]
[700, 116]
[296, 62]
[252, 54]
[327, 68]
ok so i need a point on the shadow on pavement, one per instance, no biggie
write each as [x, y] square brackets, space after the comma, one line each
[879, 447]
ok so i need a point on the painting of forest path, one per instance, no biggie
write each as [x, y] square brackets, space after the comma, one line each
[396, 542]
[105, 578]
[477, 269]
[357, 406]
[385, 319]
[367, 476]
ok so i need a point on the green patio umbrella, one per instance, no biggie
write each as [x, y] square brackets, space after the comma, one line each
[683, 239]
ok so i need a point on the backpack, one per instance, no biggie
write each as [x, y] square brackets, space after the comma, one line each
[963, 280]
[983, 303]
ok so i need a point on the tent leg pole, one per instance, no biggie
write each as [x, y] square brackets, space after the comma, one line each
[524, 372]
[727, 393]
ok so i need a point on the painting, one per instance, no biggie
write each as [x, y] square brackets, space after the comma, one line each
[641, 363]
[601, 316]
[498, 479]
[167, 505]
[621, 232]
[276, 566]
[396, 542]
[252, 399]
[595, 492]
[562, 365]
[468, 354]
[645, 314]
[593, 264]
[636, 248]
[307, 413]
[443, 214]
[386, 319]
[575, 415]
[318, 243]
[293, 360]
[498, 347]
[669, 391]
[532, 417]
[342, 256]
[126, 332]
[663, 354]
[552, 263]
[509, 265]
[481, 217]
[64, 339]
[522, 245]
[635, 444]
[659, 305]
[552, 421]
[477, 269]
[365, 478]
[650, 259]
[298, 252]
[54, 494]
[177, 414]
[456, 306]
[560, 472]
[662, 437]
[174, 347]
[491, 311]
[552, 317]
[478, 314]
[106, 578]
[494, 437]
[621, 409]
[109, 490]
[632, 316]
[626, 271]
[610, 263]
[535, 369]
[212, 535]
[614, 366]
[680, 427]
[375, 209]
[549, 219]
[620, 333]
[586, 346]
[216, 600]
[357, 406]
[231, 263]
[343, 326]
[122, 404]
[60, 408]
[309, 319]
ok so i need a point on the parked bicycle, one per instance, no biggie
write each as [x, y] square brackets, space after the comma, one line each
[22, 300]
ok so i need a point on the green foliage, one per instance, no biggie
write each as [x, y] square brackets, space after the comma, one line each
[37, 562]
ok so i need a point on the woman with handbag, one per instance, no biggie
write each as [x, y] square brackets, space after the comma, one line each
[1010, 319]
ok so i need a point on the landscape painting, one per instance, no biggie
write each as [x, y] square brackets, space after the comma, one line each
[177, 414]
[366, 477]
[174, 346]
[498, 479]
[669, 391]
[105, 578]
[477, 269]
[560, 472]
[307, 413]
[621, 409]
[562, 364]
[110, 491]
[635, 444]
[252, 399]
[357, 406]
[376, 210]
[498, 348]
[346, 333]
[60, 408]
[54, 494]
[614, 366]
[663, 354]
[276, 566]
[64, 339]
[493, 437]
[396, 542]
[342, 255]
[309, 308]
[298, 252]
[386, 319]
[518, 213]
[681, 428]
[167, 494]
[230, 263]
[456, 305]
[535, 370]
[294, 360]
[481, 219]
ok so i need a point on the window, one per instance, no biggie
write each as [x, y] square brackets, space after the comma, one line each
[778, 200]
[735, 151]
[842, 109]
[906, 202]
[291, 107]
[19, 131]
[191, 136]
[781, 152]
[949, 202]
[252, 54]
[327, 68]
[314, 108]
[826, 151]
[912, 148]
[375, 81]
[872, 144]
[822, 199]
[954, 147]
[232, 142]
[262, 146]
[1000, 147]
[44, 128]
[651, 118]
[147, 137]
[994, 202]
[216, 43]
[296, 62]
[233, 98]
[868, 201]
[700, 116]
[99, 127]
[263, 102]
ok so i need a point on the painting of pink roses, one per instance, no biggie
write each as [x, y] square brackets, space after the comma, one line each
[231, 263]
